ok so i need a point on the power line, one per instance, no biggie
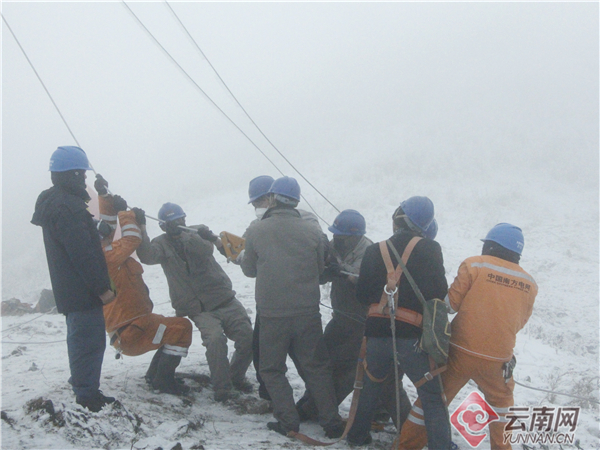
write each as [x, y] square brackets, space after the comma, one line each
[244, 109]
[189, 77]
[40, 79]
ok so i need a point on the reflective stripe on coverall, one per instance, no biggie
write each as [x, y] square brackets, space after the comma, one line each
[131, 311]
[493, 299]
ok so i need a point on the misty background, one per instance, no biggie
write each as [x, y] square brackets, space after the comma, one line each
[481, 106]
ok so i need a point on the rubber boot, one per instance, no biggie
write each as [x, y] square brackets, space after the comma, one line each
[164, 380]
[150, 374]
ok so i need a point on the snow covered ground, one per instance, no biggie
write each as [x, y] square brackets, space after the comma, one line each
[557, 350]
[488, 108]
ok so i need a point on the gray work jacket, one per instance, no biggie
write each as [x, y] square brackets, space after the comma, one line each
[286, 255]
[196, 284]
[343, 291]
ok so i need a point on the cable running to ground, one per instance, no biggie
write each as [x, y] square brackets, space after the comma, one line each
[188, 76]
[244, 109]
[557, 393]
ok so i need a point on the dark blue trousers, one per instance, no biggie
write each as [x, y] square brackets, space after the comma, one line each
[86, 342]
[414, 363]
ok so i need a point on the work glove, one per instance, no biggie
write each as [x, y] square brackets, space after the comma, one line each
[119, 203]
[140, 216]
[332, 270]
[205, 233]
[507, 369]
[101, 185]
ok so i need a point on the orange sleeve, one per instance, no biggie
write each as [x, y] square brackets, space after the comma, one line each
[130, 240]
[107, 212]
[529, 307]
[460, 286]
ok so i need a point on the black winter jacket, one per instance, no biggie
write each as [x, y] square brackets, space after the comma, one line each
[426, 265]
[75, 259]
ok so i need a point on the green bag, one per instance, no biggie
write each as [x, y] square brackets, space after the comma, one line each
[435, 338]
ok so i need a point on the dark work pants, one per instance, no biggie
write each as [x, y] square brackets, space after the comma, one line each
[415, 363]
[343, 339]
[86, 342]
[262, 389]
[304, 335]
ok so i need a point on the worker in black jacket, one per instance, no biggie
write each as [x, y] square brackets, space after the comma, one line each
[425, 264]
[78, 271]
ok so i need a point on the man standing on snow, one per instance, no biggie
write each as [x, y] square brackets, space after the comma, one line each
[259, 197]
[286, 255]
[132, 327]
[493, 298]
[423, 259]
[78, 271]
[200, 289]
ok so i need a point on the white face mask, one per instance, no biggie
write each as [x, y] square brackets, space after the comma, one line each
[260, 212]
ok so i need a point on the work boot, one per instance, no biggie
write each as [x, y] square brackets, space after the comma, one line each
[279, 428]
[96, 402]
[243, 386]
[307, 409]
[164, 379]
[226, 394]
[335, 431]
[366, 441]
[153, 365]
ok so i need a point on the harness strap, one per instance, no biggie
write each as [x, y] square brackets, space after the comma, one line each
[393, 279]
[371, 377]
[402, 314]
[433, 371]
[117, 334]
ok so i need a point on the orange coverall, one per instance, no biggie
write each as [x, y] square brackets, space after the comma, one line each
[493, 299]
[130, 323]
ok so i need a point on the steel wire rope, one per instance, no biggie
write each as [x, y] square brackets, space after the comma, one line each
[244, 109]
[189, 77]
[47, 91]
[557, 393]
[25, 323]
[40, 79]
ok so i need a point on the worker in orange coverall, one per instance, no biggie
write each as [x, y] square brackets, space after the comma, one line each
[493, 298]
[132, 327]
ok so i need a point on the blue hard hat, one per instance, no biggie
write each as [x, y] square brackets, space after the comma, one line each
[259, 187]
[170, 211]
[431, 230]
[287, 187]
[349, 223]
[69, 158]
[508, 236]
[419, 211]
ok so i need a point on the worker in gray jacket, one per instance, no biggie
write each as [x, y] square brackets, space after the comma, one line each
[344, 333]
[201, 290]
[286, 255]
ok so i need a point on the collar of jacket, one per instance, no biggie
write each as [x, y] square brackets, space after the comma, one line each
[278, 210]
[41, 205]
[405, 232]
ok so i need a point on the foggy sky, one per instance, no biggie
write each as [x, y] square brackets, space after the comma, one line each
[454, 91]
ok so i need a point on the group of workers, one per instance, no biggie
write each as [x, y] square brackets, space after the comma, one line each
[99, 287]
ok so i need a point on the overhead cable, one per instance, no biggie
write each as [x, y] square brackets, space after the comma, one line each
[46, 89]
[188, 76]
[244, 109]
[39, 78]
